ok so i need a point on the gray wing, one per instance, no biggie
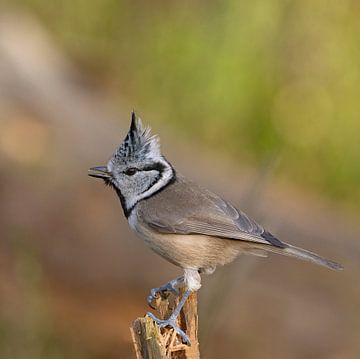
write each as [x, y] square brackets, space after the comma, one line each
[185, 208]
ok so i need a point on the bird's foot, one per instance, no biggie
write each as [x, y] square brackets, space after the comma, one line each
[164, 291]
[171, 322]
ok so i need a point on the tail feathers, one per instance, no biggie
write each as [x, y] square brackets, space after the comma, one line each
[305, 255]
[292, 251]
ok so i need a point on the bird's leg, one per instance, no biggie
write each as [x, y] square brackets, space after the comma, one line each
[171, 321]
[164, 290]
[192, 282]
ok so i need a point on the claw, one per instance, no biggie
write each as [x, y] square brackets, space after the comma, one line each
[153, 297]
[164, 291]
[171, 322]
[150, 302]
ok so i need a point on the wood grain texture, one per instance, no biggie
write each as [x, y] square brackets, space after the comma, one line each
[152, 342]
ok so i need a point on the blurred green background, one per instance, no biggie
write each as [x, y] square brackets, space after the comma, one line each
[252, 79]
[257, 100]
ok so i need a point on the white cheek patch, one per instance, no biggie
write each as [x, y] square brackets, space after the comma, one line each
[162, 180]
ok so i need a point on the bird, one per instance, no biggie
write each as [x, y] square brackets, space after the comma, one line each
[188, 225]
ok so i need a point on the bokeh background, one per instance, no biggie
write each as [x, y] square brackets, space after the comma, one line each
[258, 101]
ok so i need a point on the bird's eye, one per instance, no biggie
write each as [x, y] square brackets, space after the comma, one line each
[131, 171]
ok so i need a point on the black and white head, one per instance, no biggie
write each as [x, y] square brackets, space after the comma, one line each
[137, 169]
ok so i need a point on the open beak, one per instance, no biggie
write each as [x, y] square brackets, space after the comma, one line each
[99, 172]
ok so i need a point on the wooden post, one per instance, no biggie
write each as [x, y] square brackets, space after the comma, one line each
[152, 342]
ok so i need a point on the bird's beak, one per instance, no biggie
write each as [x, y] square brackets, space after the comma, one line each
[99, 172]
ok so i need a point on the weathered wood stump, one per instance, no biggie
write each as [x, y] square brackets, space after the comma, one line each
[152, 342]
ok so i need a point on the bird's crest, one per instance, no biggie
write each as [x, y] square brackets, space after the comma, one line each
[138, 144]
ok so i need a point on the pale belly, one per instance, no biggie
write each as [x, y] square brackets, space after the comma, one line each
[189, 251]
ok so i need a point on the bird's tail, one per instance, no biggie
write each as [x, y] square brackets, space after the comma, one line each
[305, 255]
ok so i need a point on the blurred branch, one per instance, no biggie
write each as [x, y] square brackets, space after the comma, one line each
[35, 73]
[152, 342]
